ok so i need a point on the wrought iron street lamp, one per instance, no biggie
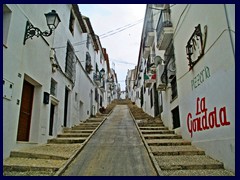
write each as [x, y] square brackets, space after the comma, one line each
[102, 72]
[52, 22]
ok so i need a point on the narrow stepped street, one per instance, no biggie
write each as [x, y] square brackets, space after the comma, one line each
[116, 149]
[125, 142]
[172, 155]
[51, 158]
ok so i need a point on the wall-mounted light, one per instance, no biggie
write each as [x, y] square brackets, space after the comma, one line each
[52, 21]
[102, 72]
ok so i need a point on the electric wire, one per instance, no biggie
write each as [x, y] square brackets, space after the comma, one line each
[112, 32]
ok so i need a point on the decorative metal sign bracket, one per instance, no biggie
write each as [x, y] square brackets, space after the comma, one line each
[196, 45]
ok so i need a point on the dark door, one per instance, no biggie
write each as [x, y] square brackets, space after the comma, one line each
[65, 108]
[51, 120]
[176, 118]
[25, 112]
[156, 103]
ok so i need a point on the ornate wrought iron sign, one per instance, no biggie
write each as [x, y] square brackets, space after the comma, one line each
[196, 45]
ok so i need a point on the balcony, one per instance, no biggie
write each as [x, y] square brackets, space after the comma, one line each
[146, 52]
[149, 79]
[149, 34]
[164, 30]
[97, 79]
[160, 6]
[102, 87]
[150, 38]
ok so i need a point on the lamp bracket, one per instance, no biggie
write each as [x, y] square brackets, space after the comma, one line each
[34, 31]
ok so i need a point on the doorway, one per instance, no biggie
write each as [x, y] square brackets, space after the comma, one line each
[176, 118]
[25, 112]
[65, 107]
[51, 120]
[156, 102]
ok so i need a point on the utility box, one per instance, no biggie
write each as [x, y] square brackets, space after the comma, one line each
[7, 89]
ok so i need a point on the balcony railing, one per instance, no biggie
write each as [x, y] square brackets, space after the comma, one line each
[97, 78]
[164, 30]
[149, 34]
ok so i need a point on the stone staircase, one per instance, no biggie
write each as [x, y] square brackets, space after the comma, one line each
[170, 153]
[47, 159]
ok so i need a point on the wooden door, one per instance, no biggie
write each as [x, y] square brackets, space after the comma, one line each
[51, 120]
[65, 107]
[25, 112]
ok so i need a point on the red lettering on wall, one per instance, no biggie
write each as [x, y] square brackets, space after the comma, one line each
[205, 120]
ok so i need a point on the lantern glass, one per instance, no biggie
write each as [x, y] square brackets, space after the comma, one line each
[102, 72]
[52, 19]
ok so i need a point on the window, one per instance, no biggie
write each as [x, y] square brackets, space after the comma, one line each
[96, 95]
[151, 98]
[69, 61]
[174, 88]
[6, 23]
[88, 63]
[71, 23]
[53, 90]
[76, 96]
[101, 99]
[101, 58]
[88, 41]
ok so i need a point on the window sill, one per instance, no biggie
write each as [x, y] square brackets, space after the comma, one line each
[54, 100]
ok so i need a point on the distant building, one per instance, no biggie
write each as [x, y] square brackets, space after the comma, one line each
[130, 78]
[123, 95]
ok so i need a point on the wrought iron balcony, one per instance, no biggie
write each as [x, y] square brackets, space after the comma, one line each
[97, 78]
[164, 30]
[149, 34]
[149, 79]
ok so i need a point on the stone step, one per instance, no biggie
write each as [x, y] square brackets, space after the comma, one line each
[153, 128]
[48, 172]
[21, 154]
[167, 142]
[66, 140]
[187, 162]
[150, 124]
[157, 132]
[95, 120]
[78, 131]
[31, 164]
[161, 136]
[89, 124]
[62, 150]
[69, 135]
[84, 128]
[195, 172]
[175, 150]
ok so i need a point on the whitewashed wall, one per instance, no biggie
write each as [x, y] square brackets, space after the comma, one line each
[30, 61]
[218, 87]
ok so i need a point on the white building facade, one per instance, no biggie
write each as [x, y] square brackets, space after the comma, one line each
[49, 82]
[188, 56]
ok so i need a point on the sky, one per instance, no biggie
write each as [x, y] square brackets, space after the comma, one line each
[119, 27]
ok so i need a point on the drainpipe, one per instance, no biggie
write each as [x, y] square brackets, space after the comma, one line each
[231, 38]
